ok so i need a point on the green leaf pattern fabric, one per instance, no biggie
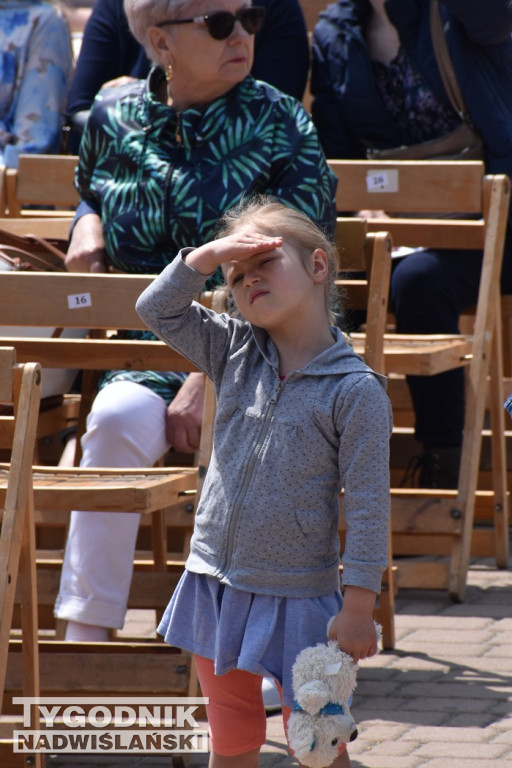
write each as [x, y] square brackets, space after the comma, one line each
[161, 180]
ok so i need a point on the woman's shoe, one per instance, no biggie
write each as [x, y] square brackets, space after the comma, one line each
[436, 467]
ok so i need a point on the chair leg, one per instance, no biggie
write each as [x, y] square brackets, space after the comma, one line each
[29, 621]
[498, 450]
[470, 461]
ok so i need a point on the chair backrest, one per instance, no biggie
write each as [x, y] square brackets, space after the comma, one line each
[364, 260]
[99, 302]
[46, 181]
[49, 227]
[427, 192]
[429, 204]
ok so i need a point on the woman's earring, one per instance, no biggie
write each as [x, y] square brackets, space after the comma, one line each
[169, 73]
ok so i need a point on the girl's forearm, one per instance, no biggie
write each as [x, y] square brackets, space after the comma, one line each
[201, 260]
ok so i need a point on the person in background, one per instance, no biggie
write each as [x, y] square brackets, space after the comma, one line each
[160, 161]
[376, 84]
[109, 51]
[35, 70]
[299, 417]
[508, 405]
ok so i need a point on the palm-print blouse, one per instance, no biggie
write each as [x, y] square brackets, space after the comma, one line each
[160, 179]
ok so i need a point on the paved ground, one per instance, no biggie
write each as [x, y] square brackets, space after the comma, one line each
[441, 699]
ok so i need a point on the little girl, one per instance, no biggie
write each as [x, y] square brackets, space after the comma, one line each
[299, 418]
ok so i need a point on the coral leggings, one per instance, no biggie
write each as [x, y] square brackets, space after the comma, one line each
[236, 714]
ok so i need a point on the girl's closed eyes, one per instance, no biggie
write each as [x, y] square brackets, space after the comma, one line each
[235, 279]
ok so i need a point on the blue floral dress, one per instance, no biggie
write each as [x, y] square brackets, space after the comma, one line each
[35, 69]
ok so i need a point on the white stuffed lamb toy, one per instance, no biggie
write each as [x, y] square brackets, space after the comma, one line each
[323, 680]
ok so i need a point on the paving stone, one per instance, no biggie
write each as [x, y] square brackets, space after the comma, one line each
[441, 699]
[461, 750]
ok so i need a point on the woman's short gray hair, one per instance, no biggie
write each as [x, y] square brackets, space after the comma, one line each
[143, 14]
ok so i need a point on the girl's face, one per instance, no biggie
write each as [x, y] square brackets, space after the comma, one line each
[275, 289]
[203, 68]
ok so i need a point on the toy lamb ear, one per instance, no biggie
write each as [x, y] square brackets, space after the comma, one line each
[312, 696]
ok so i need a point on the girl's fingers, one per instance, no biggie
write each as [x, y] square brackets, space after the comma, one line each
[245, 245]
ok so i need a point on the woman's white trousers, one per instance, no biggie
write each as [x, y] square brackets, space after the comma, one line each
[125, 428]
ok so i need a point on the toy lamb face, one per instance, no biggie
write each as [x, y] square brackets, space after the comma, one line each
[317, 740]
[323, 678]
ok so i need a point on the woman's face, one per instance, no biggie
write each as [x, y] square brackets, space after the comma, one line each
[205, 68]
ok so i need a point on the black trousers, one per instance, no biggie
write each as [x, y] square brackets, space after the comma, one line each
[428, 291]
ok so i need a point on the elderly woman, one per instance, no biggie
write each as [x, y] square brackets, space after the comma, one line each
[109, 51]
[160, 161]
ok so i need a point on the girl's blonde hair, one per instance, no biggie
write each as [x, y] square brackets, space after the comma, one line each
[143, 14]
[271, 216]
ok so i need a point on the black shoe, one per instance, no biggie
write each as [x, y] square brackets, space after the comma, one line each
[434, 468]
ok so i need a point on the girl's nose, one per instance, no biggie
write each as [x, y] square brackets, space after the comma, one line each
[251, 277]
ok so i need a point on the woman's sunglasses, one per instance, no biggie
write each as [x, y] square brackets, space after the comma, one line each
[220, 24]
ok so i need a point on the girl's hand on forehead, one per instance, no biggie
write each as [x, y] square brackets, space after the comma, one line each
[238, 246]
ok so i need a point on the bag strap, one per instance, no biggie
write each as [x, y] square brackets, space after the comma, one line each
[444, 62]
[20, 258]
[47, 252]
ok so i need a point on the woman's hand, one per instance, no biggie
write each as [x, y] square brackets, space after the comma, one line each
[353, 627]
[86, 252]
[184, 415]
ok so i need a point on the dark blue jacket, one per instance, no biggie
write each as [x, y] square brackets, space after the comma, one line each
[109, 50]
[347, 107]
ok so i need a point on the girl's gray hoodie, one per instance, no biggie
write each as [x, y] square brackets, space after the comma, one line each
[267, 521]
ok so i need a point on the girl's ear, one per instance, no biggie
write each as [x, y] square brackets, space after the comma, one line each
[320, 265]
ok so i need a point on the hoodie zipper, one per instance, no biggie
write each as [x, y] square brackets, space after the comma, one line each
[248, 475]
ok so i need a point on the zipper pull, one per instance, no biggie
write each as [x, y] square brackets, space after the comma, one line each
[277, 390]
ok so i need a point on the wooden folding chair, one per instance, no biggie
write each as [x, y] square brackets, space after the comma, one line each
[367, 256]
[164, 496]
[44, 181]
[441, 522]
[20, 386]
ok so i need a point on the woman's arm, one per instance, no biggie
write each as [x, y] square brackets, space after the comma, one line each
[487, 22]
[281, 48]
[86, 251]
[108, 51]
[328, 87]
